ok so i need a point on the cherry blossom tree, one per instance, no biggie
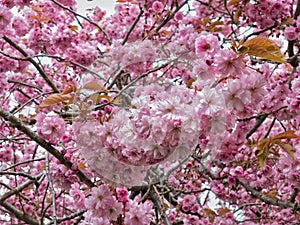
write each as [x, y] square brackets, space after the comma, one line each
[165, 112]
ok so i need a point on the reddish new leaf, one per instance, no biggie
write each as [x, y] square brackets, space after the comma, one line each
[54, 99]
[92, 85]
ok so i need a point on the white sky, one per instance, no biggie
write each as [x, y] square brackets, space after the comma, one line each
[108, 5]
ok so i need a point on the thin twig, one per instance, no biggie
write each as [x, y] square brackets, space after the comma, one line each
[20, 187]
[18, 174]
[24, 84]
[17, 123]
[34, 63]
[83, 17]
[54, 217]
[24, 162]
[266, 199]
[261, 31]
[133, 25]
[164, 22]
[294, 195]
[19, 214]
[71, 216]
[61, 59]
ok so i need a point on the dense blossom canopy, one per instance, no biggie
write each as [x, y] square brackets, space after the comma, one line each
[162, 112]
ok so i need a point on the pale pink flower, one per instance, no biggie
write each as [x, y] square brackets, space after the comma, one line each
[5, 17]
[103, 204]
[138, 214]
[256, 85]
[91, 219]
[236, 97]
[212, 101]
[228, 63]
[50, 127]
[218, 123]
[203, 71]
[77, 195]
[206, 44]
[290, 33]
[157, 6]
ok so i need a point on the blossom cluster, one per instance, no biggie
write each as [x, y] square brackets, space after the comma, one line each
[151, 114]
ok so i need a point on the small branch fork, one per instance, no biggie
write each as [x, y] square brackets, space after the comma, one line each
[268, 200]
[132, 26]
[83, 17]
[11, 209]
[33, 62]
[54, 219]
[258, 195]
[260, 118]
[290, 49]
[17, 123]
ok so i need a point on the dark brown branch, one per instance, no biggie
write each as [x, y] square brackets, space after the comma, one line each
[83, 17]
[133, 25]
[20, 188]
[24, 84]
[261, 31]
[293, 60]
[170, 16]
[24, 162]
[61, 59]
[260, 118]
[53, 194]
[33, 62]
[15, 122]
[17, 174]
[19, 214]
[72, 216]
[268, 200]
[294, 195]
[297, 10]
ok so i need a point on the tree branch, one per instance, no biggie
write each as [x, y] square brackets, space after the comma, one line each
[54, 217]
[34, 63]
[20, 188]
[268, 200]
[164, 22]
[19, 214]
[294, 195]
[15, 122]
[133, 25]
[294, 60]
[91, 22]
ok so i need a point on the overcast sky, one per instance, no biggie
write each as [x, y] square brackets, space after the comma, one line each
[108, 5]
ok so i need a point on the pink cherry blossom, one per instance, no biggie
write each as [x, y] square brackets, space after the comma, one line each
[5, 17]
[138, 214]
[103, 204]
[228, 63]
[158, 6]
[149, 113]
[290, 33]
[51, 127]
[207, 44]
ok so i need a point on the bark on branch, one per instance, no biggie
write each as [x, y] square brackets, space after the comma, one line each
[19, 214]
[20, 188]
[15, 122]
[33, 62]
[268, 200]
